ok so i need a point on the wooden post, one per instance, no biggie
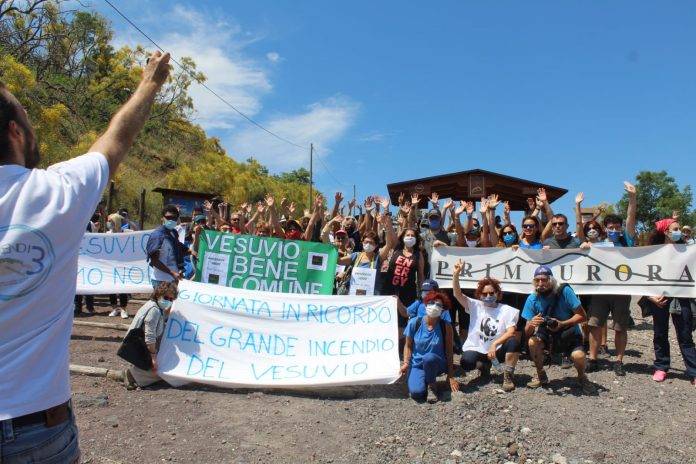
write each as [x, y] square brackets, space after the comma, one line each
[142, 209]
[113, 374]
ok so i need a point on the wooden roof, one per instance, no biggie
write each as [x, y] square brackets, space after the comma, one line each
[472, 185]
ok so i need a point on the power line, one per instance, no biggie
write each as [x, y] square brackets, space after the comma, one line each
[203, 83]
[326, 168]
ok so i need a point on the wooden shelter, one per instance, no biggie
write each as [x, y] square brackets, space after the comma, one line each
[472, 185]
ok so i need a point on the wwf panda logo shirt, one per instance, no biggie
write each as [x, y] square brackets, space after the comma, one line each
[488, 323]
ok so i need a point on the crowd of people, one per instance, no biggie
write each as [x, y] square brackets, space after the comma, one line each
[488, 327]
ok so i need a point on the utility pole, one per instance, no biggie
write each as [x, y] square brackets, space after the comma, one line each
[311, 174]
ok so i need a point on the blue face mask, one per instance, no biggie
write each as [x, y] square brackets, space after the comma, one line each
[614, 235]
[675, 235]
[170, 224]
[434, 224]
[509, 239]
[490, 300]
[164, 304]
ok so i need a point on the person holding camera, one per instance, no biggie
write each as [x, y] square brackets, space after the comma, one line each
[554, 314]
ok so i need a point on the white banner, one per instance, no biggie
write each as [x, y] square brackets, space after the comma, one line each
[113, 263]
[242, 338]
[650, 270]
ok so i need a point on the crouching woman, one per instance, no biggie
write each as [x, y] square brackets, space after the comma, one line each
[151, 318]
[428, 350]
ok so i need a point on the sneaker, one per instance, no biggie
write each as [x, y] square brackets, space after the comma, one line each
[114, 312]
[588, 387]
[603, 351]
[619, 369]
[508, 381]
[592, 365]
[124, 314]
[659, 376]
[565, 362]
[539, 380]
[432, 394]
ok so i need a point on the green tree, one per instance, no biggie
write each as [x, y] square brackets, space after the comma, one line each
[659, 197]
[298, 176]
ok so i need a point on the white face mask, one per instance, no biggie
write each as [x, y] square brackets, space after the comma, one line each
[433, 310]
[409, 241]
[592, 233]
[368, 247]
[471, 243]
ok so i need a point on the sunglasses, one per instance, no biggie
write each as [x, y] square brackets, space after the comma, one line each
[528, 226]
[558, 224]
[234, 220]
[171, 218]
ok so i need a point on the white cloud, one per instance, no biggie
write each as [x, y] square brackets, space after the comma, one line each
[323, 123]
[218, 47]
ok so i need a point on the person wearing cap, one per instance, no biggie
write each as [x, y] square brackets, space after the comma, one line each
[554, 314]
[435, 234]
[682, 311]
[687, 235]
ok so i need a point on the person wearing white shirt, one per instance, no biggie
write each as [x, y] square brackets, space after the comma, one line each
[492, 336]
[43, 213]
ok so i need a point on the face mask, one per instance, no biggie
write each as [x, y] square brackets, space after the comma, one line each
[293, 234]
[509, 239]
[164, 304]
[109, 226]
[170, 224]
[433, 310]
[614, 235]
[490, 300]
[471, 243]
[434, 224]
[409, 241]
[198, 218]
[593, 233]
[675, 235]
[368, 247]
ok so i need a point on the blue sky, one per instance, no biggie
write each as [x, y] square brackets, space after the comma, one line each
[580, 95]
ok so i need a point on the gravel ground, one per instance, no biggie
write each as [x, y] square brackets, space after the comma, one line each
[630, 420]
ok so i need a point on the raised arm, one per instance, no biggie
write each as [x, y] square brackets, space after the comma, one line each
[316, 217]
[456, 289]
[484, 223]
[273, 215]
[632, 208]
[457, 213]
[493, 202]
[506, 213]
[118, 138]
[338, 198]
[386, 223]
[579, 231]
[542, 202]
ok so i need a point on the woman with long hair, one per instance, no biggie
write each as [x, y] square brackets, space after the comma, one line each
[682, 311]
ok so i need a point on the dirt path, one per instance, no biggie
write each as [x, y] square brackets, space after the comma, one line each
[630, 420]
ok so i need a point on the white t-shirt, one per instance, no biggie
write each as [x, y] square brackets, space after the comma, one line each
[486, 324]
[43, 214]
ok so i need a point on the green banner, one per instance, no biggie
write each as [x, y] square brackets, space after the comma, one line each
[266, 264]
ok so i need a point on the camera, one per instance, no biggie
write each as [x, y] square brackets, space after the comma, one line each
[549, 323]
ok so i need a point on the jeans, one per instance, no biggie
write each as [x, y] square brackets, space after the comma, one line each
[122, 299]
[38, 443]
[683, 324]
[420, 377]
[470, 358]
